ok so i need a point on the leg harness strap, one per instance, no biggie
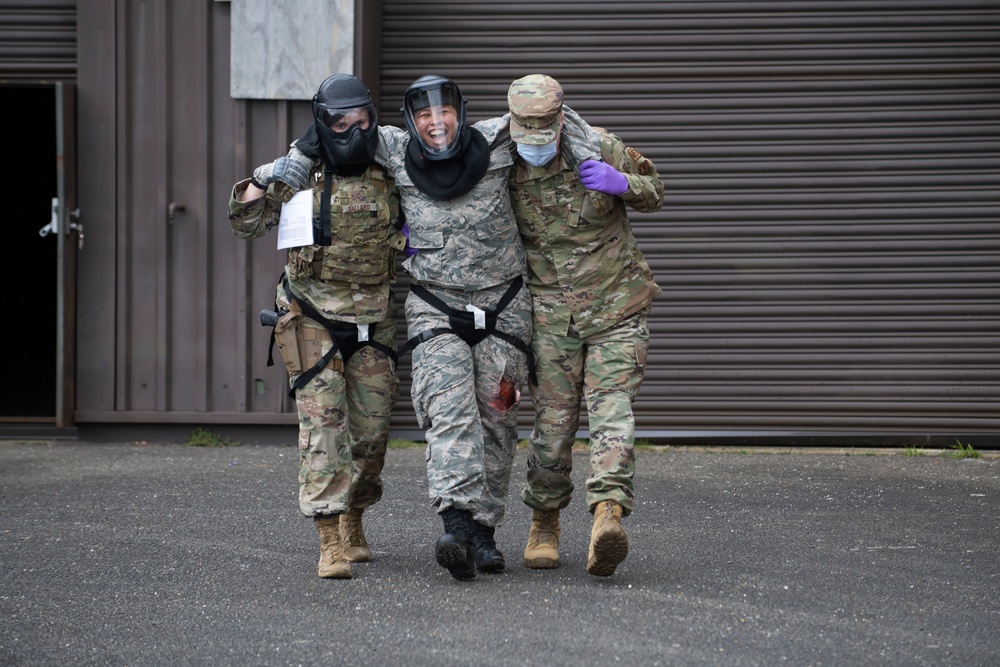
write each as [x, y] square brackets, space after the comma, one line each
[343, 336]
[463, 324]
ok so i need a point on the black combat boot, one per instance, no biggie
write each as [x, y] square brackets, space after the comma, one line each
[453, 549]
[488, 557]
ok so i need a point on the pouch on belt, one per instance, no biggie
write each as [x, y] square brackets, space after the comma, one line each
[287, 339]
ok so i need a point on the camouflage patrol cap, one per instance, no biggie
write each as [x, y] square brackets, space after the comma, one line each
[535, 102]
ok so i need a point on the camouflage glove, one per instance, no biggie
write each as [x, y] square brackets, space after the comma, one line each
[293, 170]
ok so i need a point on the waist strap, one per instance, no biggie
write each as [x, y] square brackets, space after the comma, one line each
[463, 324]
[344, 339]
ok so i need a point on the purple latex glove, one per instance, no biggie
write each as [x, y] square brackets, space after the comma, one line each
[602, 177]
[407, 250]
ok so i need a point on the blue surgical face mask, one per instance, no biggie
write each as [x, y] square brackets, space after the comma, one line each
[538, 156]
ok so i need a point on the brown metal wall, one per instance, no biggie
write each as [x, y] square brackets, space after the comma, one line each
[37, 40]
[168, 296]
[168, 324]
[829, 248]
[828, 251]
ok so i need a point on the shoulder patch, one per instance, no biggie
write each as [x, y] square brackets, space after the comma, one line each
[645, 166]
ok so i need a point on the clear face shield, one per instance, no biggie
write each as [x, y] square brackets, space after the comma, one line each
[434, 117]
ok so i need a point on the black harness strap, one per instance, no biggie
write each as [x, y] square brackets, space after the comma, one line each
[463, 324]
[524, 347]
[343, 336]
[270, 347]
[279, 312]
[321, 225]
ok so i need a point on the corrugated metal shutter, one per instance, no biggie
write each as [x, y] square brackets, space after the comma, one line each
[829, 247]
[37, 40]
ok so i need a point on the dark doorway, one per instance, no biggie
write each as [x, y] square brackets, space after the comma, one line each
[29, 259]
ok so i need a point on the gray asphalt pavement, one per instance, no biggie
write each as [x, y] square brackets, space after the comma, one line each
[161, 554]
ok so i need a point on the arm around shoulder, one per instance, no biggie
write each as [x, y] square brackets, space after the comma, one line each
[251, 217]
[391, 143]
[582, 141]
[645, 189]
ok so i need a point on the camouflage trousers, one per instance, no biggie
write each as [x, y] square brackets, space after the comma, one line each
[466, 399]
[344, 428]
[607, 370]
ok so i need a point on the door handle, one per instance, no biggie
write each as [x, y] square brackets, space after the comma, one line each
[173, 209]
[53, 226]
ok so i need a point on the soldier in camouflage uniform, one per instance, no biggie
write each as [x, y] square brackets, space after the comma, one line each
[467, 267]
[337, 300]
[591, 289]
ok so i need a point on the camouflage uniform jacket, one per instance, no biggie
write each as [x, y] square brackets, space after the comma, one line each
[584, 263]
[472, 242]
[370, 199]
[468, 243]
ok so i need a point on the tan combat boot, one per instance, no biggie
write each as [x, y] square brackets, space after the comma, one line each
[332, 564]
[608, 541]
[542, 552]
[352, 536]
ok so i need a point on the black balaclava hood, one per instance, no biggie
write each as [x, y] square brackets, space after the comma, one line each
[451, 178]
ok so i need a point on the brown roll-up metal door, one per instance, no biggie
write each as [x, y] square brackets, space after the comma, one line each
[830, 245]
[37, 40]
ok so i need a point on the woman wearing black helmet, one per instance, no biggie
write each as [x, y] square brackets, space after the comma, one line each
[468, 313]
[338, 321]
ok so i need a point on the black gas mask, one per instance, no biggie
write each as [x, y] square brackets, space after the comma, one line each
[346, 122]
[353, 146]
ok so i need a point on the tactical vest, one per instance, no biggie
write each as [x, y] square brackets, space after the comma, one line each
[363, 236]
